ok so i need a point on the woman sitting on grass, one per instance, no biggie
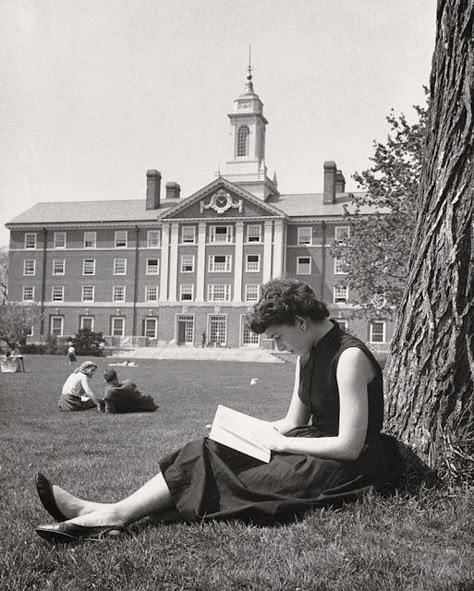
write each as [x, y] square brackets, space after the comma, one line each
[339, 453]
[77, 393]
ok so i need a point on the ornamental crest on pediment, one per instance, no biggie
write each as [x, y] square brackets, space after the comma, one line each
[220, 202]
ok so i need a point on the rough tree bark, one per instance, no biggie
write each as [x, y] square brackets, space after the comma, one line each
[430, 371]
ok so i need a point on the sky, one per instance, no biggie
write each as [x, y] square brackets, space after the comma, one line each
[95, 92]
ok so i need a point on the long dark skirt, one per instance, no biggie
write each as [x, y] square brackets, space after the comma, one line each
[70, 402]
[208, 480]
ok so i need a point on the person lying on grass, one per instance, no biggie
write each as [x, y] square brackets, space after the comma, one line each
[123, 397]
[328, 447]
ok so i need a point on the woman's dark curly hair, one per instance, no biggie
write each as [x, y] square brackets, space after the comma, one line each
[282, 300]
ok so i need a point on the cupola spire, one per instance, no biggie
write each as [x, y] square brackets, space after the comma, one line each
[249, 84]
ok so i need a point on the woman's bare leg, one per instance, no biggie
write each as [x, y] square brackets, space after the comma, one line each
[154, 496]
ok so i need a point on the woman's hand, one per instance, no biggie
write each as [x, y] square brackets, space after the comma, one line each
[271, 438]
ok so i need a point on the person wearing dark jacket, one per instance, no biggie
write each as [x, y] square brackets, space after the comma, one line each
[123, 397]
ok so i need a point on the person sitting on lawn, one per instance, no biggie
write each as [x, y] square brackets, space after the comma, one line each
[338, 455]
[122, 397]
[77, 393]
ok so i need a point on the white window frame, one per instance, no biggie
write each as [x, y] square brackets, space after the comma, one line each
[189, 327]
[213, 234]
[254, 233]
[119, 293]
[248, 338]
[188, 234]
[186, 289]
[214, 289]
[154, 321]
[90, 239]
[224, 266]
[92, 292]
[81, 322]
[30, 240]
[340, 292]
[57, 242]
[153, 239]
[222, 320]
[341, 233]
[252, 292]
[299, 264]
[120, 239]
[187, 260]
[51, 326]
[61, 264]
[151, 293]
[88, 267]
[252, 266]
[57, 293]
[113, 322]
[302, 240]
[150, 269]
[343, 323]
[29, 267]
[372, 332]
[28, 289]
[338, 262]
[120, 266]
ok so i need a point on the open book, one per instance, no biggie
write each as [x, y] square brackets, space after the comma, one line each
[237, 430]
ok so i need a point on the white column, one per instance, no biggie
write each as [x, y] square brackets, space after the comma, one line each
[201, 262]
[173, 285]
[238, 258]
[278, 245]
[165, 236]
[267, 252]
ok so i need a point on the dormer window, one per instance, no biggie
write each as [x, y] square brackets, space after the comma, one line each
[243, 141]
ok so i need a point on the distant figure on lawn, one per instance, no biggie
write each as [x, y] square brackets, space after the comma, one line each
[329, 446]
[71, 354]
[122, 397]
[77, 393]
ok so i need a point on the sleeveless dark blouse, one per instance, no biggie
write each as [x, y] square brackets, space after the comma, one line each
[318, 386]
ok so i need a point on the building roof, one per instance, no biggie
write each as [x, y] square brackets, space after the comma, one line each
[311, 204]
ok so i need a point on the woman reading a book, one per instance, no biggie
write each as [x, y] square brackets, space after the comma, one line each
[328, 447]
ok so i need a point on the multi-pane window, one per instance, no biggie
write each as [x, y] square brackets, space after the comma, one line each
[30, 240]
[120, 266]
[341, 294]
[187, 263]
[90, 239]
[118, 326]
[59, 240]
[377, 332]
[87, 323]
[305, 235]
[150, 328]
[28, 293]
[151, 293]
[243, 141]
[247, 336]
[57, 293]
[341, 233]
[188, 234]
[252, 263]
[121, 239]
[88, 293]
[218, 292]
[59, 266]
[56, 326]
[252, 292]
[254, 233]
[186, 292]
[153, 238]
[303, 265]
[118, 293]
[88, 267]
[220, 263]
[340, 266]
[343, 324]
[29, 267]
[217, 333]
[220, 234]
[152, 266]
[185, 328]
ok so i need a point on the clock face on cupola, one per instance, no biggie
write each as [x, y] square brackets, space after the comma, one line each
[220, 202]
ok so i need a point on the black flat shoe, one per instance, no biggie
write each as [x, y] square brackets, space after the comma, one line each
[64, 533]
[45, 493]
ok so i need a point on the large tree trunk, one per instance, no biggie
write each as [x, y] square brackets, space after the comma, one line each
[430, 372]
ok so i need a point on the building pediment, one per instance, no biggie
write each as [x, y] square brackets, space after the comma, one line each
[224, 200]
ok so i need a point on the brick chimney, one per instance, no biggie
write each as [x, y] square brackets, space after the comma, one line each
[153, 187]
[330, 172]
[340, 182]
[173, 190]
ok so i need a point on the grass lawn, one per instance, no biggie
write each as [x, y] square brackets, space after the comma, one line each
[423, 541]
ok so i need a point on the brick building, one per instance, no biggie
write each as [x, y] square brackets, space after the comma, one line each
[169, 268]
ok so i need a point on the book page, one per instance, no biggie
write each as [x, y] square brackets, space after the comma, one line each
[238, 431]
